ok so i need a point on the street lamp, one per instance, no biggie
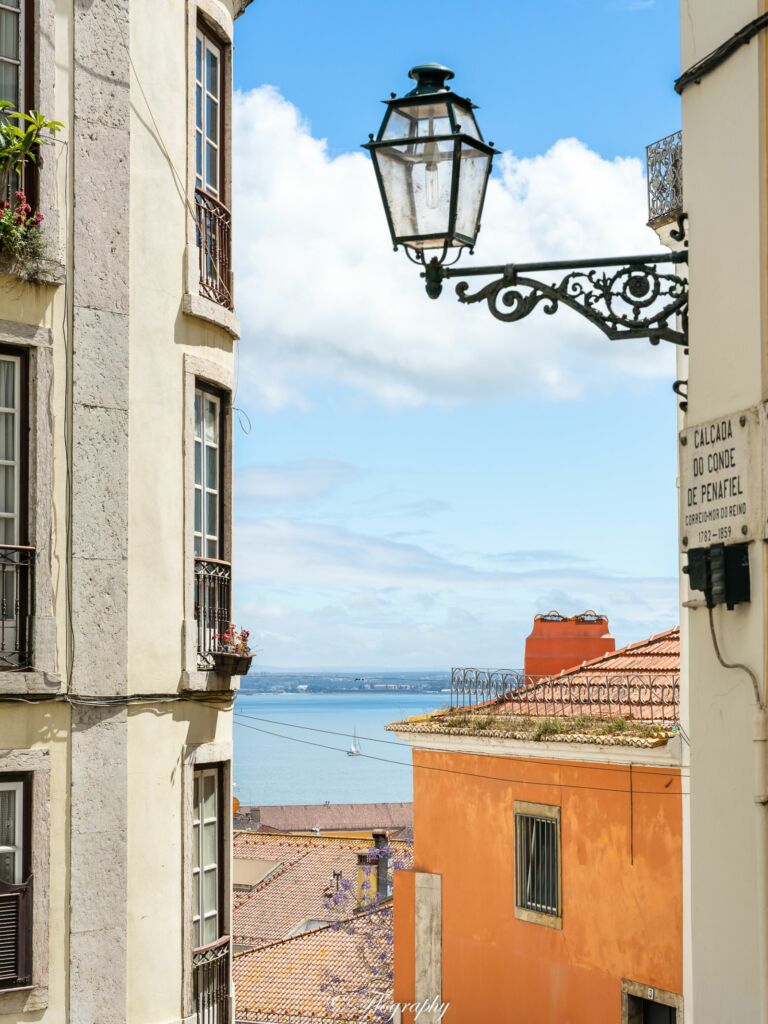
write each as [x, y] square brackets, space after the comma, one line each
[432, 166]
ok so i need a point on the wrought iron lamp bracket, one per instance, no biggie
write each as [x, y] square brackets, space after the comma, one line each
[627, 297]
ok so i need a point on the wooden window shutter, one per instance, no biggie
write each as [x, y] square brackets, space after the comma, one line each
[15, 934]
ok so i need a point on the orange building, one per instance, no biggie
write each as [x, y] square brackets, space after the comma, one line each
[547, 879]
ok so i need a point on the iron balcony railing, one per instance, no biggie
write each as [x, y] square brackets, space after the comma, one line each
[211, 981]
[213, 591]
[17, 567]
[651, 698]
[214, 244]
[664, 160]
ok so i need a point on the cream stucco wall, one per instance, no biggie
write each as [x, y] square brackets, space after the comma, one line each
[116, 212]
[724, 190]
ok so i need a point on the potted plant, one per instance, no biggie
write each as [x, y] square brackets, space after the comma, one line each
[22, 244]
[233, 655]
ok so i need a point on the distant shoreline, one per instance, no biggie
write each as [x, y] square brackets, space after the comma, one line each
[369, 684]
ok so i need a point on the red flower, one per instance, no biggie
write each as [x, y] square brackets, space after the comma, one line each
[21, 196]
[38, 218]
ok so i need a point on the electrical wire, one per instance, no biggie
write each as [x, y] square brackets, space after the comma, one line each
[733, 664]
[720, 54]
[471, 775]
[444, 750]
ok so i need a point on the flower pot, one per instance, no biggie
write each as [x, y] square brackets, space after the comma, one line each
[227, 663]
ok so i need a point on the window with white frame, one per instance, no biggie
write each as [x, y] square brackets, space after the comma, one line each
[12, 832]
[207, 846]
[12, 31]
[15, 885]
[208, 127]
[10, 437]
[208, 466]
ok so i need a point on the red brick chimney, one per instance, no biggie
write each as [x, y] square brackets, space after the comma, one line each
[556, 642]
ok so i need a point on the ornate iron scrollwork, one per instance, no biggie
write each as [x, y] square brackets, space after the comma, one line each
[634, 301]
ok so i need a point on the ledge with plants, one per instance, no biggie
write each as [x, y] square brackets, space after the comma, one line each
[24, 248]
[233, 655]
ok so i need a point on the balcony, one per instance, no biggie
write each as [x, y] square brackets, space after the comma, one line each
[211, 981]
[214, 245]
[213, 590]
[17, 566]
[664, 160]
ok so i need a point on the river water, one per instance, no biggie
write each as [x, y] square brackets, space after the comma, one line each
[273, 769]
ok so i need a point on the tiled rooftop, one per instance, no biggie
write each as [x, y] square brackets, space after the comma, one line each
[321, 977]
[295, 891]
[326, 817]
[628, 697]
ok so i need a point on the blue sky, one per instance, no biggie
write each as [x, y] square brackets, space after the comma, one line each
[418, 480]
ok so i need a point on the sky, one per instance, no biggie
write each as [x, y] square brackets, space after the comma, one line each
[414, 481]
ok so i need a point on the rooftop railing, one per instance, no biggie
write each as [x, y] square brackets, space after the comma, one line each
[664, 160]
[214, 243]
[213, 585]
[652, 698]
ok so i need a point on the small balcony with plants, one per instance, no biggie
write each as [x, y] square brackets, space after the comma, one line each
[24, 247]
[221, 646]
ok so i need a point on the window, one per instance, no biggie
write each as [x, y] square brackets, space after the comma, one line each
[207, 844]
[12, 31]
[15, 883]
[16, 559]
[537, 863]
[208, 474]
[208, 120]
[10, 456]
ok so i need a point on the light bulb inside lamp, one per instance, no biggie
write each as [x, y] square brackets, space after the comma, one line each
[431, 184]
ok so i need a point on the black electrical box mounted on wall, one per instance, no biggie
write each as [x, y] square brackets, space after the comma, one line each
[721, 572]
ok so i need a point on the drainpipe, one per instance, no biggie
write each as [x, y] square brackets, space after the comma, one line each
[760, 738]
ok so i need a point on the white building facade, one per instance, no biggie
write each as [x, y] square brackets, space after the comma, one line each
[115, 500]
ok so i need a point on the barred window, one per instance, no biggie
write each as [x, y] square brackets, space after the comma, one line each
[537, 861]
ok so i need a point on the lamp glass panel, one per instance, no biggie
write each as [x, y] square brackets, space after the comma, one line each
[417, 121]
[466, 122]
[417, 181]
[472, 175]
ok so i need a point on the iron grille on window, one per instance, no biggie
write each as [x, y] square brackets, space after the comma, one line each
[210, 966]
[664, 161]
[537, 871]
[16, 579]
[213, 580]
[214, 230]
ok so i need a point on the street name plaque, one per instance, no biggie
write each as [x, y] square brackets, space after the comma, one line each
[719, 481]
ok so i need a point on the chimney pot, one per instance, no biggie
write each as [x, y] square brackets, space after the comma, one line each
[557, 643]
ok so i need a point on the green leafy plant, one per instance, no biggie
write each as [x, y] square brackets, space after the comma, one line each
[21, 136]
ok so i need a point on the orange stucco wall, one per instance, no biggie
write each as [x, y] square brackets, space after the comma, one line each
[621, 889]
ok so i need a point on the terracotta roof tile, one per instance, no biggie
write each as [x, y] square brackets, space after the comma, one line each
[326, 817]
[295, 892]
[638, 683]
[329, 975]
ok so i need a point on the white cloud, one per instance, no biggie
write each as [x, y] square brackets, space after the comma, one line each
[322, 296]
[323, 595]
[289, 483]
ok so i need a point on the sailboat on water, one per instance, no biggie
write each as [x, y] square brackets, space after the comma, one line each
[354, 750]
